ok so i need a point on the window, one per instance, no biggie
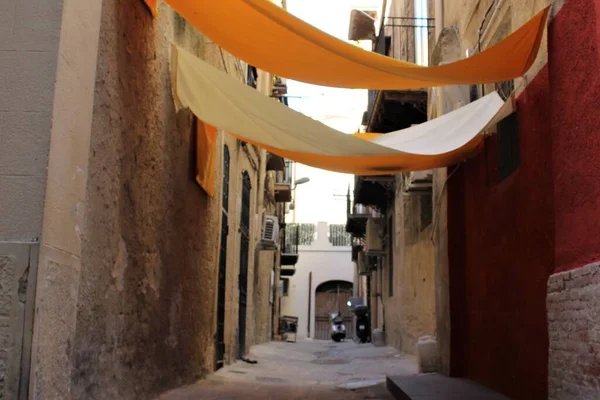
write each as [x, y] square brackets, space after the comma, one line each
[284, 288]
[509, 153]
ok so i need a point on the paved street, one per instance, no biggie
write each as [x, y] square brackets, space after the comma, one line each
[304, 370]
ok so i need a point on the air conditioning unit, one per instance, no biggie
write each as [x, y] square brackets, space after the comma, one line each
[418, 181]
[270, 231]
[374, 236]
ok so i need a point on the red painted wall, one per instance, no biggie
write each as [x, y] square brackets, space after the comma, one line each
[505, 239]
[574, 63]
[502, 257]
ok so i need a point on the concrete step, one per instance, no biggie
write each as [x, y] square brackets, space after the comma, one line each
[438, 387]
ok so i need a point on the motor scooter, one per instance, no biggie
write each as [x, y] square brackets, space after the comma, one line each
[363, 331]
[338, 329]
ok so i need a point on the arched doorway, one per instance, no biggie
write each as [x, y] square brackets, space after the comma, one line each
[332, 296]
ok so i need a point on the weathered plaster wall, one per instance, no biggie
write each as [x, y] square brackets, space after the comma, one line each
[128, 268]
[536, 220]
[410, 311]
[447, 49]
[261, 312]
[575, 80]
[500, 236]
[572, 306]
[146, 297]
[467, 17]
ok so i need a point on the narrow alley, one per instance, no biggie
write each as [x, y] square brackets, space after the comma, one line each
[304, 370]
[219, 199]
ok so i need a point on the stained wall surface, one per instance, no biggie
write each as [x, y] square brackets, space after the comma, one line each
[409, 303]
[126, 304]
[573, 290]
[500, 232]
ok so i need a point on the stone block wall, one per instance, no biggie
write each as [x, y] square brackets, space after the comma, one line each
[573, 303]
[410, 306]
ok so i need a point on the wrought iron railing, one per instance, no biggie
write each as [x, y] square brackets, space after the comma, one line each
[338, 235]
[297, 234]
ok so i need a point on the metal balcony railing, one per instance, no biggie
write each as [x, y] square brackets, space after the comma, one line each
[403, 38]
[338, 235]
[297, 234]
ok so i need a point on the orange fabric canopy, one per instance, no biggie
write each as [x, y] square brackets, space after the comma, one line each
[206, 155]
[268, 37]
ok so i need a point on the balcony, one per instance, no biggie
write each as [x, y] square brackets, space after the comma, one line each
[356, 222]
[374, 191]
[289, 258]
[406, 39]
[283, 183]
[289, 250]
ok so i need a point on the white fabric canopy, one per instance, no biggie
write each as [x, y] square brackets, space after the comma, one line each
[222, 101]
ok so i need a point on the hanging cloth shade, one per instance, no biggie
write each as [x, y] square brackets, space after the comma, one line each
[226, 103]
[268, 37]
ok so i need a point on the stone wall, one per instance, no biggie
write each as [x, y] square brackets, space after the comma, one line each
[574, 333]
[145, 301]
[127, 287]
[410, 307]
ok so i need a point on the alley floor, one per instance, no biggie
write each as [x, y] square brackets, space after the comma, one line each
[304, 370]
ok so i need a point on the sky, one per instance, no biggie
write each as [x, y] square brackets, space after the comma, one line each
[324, 197]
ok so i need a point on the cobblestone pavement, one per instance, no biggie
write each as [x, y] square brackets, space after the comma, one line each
[304, 370]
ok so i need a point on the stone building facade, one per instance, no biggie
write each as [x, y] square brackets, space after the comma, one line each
[109, 249]
[509, 249]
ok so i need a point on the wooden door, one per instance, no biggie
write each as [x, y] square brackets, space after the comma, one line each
[332, 297]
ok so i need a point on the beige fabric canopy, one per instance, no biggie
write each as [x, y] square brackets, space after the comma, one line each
[222, 101]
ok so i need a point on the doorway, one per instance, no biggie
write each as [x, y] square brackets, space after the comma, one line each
[244, 253]
[223, 264]
[332, 296]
